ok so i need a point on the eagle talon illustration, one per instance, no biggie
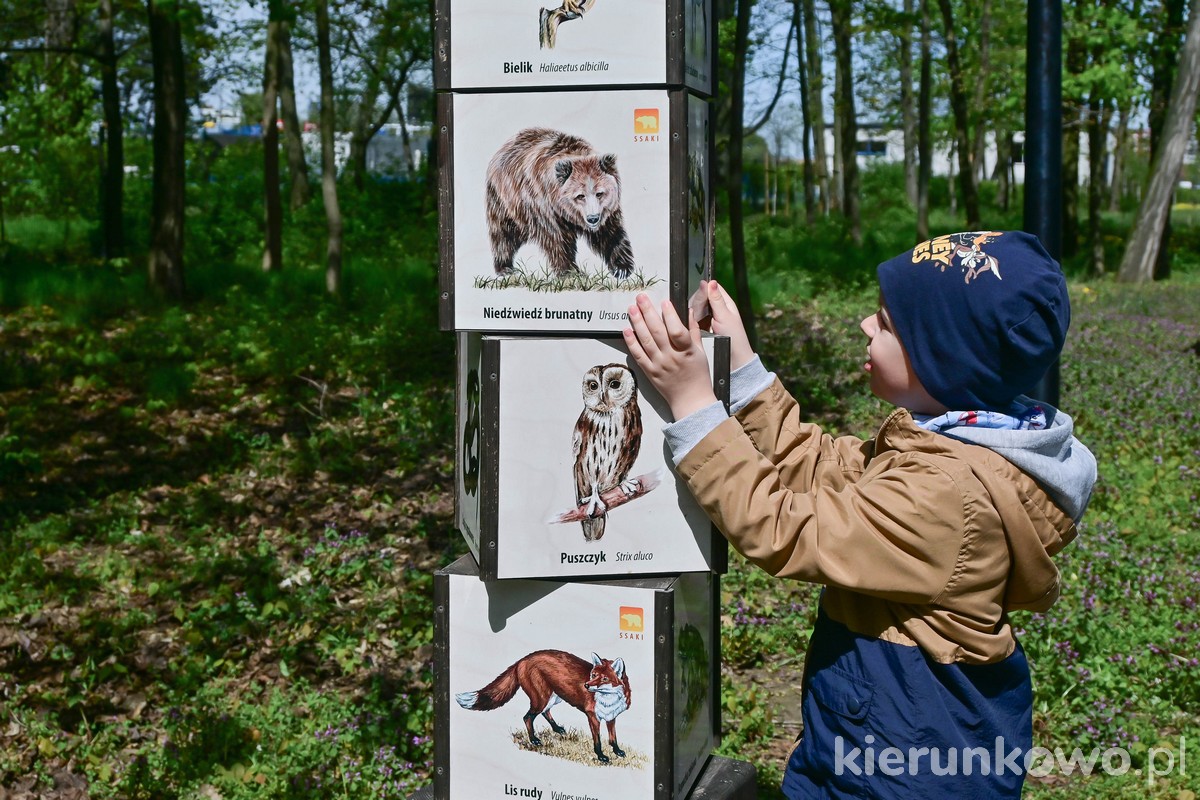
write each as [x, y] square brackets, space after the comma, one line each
[549, 20]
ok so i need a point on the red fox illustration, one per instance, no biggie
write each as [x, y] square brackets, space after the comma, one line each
[599, 689]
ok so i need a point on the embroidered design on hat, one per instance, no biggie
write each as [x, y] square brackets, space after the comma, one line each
[967, 247]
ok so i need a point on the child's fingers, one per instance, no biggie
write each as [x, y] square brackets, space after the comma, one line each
[677, 332]
[635, 348]
[720, 301]
[637, 322]
[654, 325]
[693, 329]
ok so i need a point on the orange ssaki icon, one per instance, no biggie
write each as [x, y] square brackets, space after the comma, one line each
[632, 619]
[645, 121]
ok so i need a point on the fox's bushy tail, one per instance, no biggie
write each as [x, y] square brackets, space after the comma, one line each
[494, 695]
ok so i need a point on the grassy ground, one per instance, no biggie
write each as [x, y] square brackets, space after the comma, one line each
[219, 524]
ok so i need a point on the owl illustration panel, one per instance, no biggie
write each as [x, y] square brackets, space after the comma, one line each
[585, 482]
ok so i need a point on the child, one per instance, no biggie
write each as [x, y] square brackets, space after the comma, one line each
[924, 537]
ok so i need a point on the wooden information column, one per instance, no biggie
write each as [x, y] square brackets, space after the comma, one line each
[577, 647]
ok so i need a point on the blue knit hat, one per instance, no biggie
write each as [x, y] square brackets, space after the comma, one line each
[982, 315]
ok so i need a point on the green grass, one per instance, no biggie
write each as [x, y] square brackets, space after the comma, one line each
[220, 520]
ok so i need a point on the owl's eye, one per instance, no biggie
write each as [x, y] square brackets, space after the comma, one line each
[614, 384]
[593, 386]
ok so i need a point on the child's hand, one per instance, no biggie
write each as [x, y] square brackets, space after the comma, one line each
[670, 355]
[726, 321]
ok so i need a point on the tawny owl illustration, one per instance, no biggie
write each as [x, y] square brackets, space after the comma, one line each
[607, 438]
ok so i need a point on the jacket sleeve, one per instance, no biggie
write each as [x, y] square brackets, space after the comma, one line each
[772, 421]
[868, 532]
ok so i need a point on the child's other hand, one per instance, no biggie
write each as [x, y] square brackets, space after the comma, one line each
[726, 321]
[670, 355]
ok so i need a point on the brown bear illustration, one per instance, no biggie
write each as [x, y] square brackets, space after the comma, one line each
[550, 188]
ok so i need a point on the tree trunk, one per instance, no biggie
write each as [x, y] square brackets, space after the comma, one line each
[170, 132]
[112, 175]
[924, 126]
[841, 16]
[1141, 255]
[815, 101]
[1072, 119]
[333, 214]
[958, 102]
[297, 167]
[410, 169]
[805, 113]
[359, 137]
[979, 151]
[1116, 188]
[1073, 122]
[737, 233]
[1002, 173]
[1097, 131]
[908, 111]
[1164, 56]
[950, 190]
[272, 259]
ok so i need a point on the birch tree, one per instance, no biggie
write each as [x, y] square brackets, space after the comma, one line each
[1142, 251]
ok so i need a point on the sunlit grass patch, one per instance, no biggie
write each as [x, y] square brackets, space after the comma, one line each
[583, 280]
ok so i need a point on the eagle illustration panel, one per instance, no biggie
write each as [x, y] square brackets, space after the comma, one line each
[585, 483]
[549, 690]
[548, 43]
[562, 208]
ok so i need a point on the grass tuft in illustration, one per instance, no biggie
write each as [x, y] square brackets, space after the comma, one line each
[583, 280]
[576, 745]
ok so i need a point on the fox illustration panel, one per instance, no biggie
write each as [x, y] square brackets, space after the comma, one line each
[599, 689]
[545, 691]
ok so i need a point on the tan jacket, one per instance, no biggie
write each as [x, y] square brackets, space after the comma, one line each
[921, 539]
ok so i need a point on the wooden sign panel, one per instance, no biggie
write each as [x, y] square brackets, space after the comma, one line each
[526, 44]
[557, 209]
[563, 469]
[548, 689]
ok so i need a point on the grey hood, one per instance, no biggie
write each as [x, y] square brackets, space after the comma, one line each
[1052, 456]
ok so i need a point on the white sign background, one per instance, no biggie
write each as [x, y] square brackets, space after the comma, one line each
[482, 124]
[630, 36]
[541, 398]
[539, 615]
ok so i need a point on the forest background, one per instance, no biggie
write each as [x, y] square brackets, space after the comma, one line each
[226, 424]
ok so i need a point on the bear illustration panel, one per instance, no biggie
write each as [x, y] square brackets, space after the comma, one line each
[572, 475]
[558, 209]
[556, 687]
[550, 43]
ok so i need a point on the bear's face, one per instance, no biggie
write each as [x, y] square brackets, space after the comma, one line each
[589, 189]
